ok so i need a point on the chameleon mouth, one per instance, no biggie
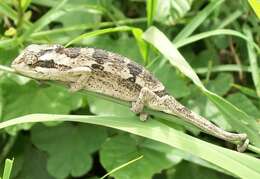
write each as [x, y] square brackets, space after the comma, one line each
[17, 61]
[21, 67]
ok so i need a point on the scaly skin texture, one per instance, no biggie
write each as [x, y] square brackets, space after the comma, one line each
[113, 75]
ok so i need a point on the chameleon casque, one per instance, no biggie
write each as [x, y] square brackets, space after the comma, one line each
[113, 75]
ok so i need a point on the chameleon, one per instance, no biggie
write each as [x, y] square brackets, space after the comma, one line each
[111, 74]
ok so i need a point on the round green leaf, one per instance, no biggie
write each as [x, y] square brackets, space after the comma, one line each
[121, 149]
[69, 147]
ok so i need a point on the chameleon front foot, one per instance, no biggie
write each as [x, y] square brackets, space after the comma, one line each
[243, 146]
[138, 105]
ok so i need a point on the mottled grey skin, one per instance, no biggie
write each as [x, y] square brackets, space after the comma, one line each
[113, 75]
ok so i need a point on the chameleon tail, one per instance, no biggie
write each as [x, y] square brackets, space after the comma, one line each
[175, 108]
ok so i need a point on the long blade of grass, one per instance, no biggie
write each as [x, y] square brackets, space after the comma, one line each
[203, 35]
[137, 32]
[161, 42]
[241, 165]
[122, 166]
[12, 14]
[247, 91]
[230, 18]
[252, 60]
[223, 68]
[99, 32]
[197, 20]
[8, 11]
[150, 10]
[55, 13]
[8, 168]
[8, 43]
[239, 120]
[52, 14]
[86, 27]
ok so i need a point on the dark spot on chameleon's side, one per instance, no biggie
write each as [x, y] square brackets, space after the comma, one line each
[69, 52]
[161, 93]
[42, 52]
[97, 67]
[63, 67]
[72, 52]
[134, 69]
[50, 64]
[45, 64]
[100, 55]
[149, 78]
[129, 85]
[59, 49]
[132, 79]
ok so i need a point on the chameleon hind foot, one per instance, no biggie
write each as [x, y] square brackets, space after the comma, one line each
[143, 116]
[243, 146]
[138, 105]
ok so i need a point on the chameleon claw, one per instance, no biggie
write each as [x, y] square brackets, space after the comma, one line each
[243, 146]
[143, 116]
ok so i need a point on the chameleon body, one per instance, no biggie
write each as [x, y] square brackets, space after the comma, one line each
[113, 75]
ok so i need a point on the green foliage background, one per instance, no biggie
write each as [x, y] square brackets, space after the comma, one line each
[205, 52]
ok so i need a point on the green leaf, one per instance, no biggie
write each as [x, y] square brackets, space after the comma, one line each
[121, 149]
[170, 11]
[151, 6]
[238, 119]
[121, 166]
[239, 164]
[170, 77]
[230, 18]
[197, 20]
[32, 162]
[31, 99]
[242, 102]
[8, 11]
[210, 33]
[69, 147]
[25, 4]
[252, 56]
[53, 14]
[161, 42]
[245, 90]
[222, 84]
[8, 168]
[195, 171]
[103, 107]
[7, 55]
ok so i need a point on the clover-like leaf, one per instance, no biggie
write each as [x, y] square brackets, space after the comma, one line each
[32, 98]
[171, 78]
[69, 147]
[122, 149]
[244, 103]
[29, 163]
[222, 84]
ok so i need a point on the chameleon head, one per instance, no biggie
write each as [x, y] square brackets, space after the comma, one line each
[35, 60]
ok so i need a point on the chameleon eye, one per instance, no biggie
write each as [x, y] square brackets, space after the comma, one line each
[30, 59]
